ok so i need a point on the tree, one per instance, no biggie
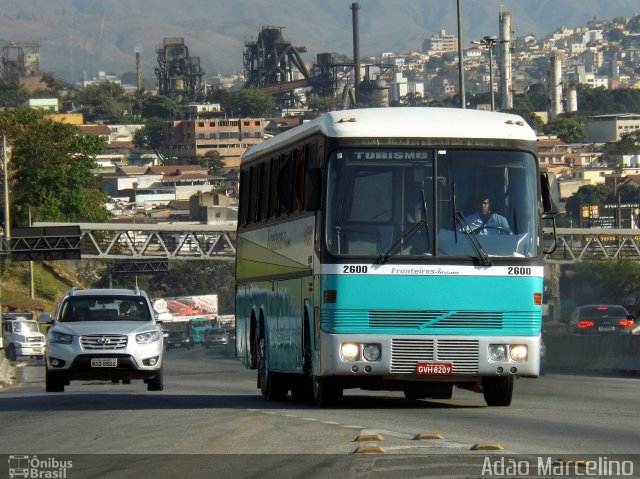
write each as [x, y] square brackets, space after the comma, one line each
[104, 101]
[614, 282]
[151, 136]
[412, 99]
[12, 94]
[164, 107]
[569, 130]
[249, 103]
[50, 170]
[213, 161]
[628, 144]
[586, 195]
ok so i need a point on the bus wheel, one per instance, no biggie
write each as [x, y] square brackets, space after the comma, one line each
[272, 385]
[498, 391]
[302, 389]
[327, 392]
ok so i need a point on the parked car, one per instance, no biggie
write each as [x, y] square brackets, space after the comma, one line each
[602, 319]
[178, 338]
[215, 337]
[107, 335]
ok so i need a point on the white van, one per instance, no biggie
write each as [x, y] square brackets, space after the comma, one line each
[21, 336]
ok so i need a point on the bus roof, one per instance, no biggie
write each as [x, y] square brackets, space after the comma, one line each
[405, 122]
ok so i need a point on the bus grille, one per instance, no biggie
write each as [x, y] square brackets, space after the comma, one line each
[436, 319]
[104, 341]
[432, 321]
[462, 354]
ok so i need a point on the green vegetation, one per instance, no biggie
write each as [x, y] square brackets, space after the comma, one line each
[48, 285]
[614, 282]
[50, 170]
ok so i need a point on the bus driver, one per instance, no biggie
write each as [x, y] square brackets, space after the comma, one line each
[486, 222]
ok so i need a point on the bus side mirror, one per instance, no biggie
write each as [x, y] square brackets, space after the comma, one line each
[312, 189]
[548, 206]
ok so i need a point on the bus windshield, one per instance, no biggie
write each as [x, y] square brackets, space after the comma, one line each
[431, 203]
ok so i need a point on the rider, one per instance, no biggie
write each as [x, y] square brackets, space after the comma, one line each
[486, 222]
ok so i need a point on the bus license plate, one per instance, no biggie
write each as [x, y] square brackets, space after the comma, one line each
[104, 363]
[434, 369]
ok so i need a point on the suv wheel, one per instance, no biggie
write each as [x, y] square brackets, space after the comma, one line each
[54, 383]
[155, 383]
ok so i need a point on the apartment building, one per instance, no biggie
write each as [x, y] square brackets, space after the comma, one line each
[230, 137]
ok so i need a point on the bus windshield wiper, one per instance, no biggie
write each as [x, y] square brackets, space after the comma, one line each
[406, 235]
[466, 229]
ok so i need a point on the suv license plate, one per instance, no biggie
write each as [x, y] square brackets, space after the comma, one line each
[434, 369]
[104, 363]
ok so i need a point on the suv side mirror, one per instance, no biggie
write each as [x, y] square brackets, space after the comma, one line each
[45, 318]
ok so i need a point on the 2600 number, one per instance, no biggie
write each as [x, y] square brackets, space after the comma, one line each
[519, 271]
[355, 269]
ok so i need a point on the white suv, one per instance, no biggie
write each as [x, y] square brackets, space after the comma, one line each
[104, 334]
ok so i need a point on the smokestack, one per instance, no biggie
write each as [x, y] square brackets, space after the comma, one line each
[573, 98]
[138, 72]
[356, 48]
[556, 85]
[505, 61]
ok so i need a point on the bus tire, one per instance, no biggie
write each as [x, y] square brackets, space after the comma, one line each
[327, 391]
[272, 385]
[498, 391]
[302, 389]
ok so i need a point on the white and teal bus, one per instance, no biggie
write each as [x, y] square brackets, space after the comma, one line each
[365, 260]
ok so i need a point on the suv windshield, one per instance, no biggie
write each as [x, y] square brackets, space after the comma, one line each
[105, 308]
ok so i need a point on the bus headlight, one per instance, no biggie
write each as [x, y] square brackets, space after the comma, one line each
[349, 351]
[518, 352]
[371, 352]
[497, 352]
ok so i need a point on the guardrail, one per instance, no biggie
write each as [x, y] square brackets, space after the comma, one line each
[597, 354]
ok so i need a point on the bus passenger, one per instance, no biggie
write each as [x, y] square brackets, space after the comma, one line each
[486, 222]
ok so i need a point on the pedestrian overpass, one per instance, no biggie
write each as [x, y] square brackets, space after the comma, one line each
[183, 241]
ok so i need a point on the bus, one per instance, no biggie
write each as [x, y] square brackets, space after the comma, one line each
[360, 263]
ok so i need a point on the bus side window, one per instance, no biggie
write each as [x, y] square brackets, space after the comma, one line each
[253, 204]
[298, 187]
[273, 187]
[244, 197]
[284, 185]
[263, 201]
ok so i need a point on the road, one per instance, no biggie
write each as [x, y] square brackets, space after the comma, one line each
[211, 410]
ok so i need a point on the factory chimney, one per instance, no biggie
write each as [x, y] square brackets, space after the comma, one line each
[356, 48]
[138, 72]
[506, 90]
[555, 86]
[573, 99]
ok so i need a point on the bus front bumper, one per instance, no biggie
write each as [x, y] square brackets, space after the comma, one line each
[428, 357]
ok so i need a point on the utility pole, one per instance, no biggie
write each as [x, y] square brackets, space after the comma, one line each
[489, 42]
[463, 101]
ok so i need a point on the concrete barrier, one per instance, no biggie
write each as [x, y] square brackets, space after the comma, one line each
[608, 354]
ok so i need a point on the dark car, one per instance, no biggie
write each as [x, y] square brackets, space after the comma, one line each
[178, 339]
[215, 337]
[602, 319]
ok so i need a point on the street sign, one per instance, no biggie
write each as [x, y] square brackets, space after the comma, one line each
[41, 243]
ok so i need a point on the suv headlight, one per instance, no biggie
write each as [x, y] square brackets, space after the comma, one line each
[61, 338]
[148, 337]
